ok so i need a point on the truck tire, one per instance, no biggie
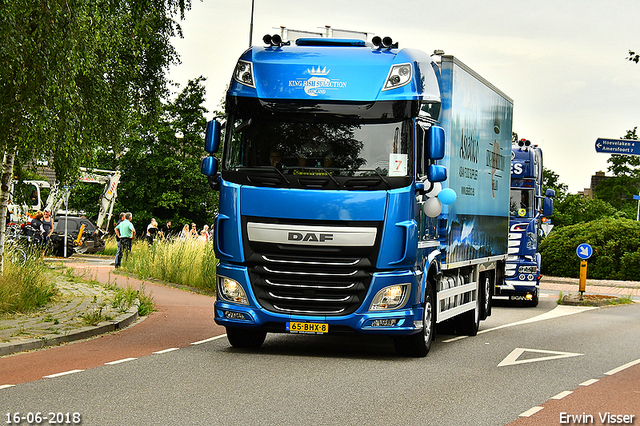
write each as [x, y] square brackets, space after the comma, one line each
[486, 297]
[245, 338]
[418, 345]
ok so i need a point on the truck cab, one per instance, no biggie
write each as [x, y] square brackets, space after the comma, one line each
[528, 207]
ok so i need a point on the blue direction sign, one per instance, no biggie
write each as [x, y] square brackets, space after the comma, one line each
[618, 146]
[636, 197]
[584, 251]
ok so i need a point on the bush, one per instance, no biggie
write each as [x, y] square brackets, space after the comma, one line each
[25, 288]
[616, 250]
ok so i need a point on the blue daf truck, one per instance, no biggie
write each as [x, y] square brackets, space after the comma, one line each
[364, 189]
[527, 209]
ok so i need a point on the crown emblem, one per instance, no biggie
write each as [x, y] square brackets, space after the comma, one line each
[318, 71]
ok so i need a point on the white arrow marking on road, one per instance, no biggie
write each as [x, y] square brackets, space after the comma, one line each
[558, 311]
[512, 358]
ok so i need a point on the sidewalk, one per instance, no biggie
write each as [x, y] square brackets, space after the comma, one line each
[69, 318]
[605, 287]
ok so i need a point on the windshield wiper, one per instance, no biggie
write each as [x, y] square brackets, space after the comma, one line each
[268, 168]
[382, 178]
[330, 177]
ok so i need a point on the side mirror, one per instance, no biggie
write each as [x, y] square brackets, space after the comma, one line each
[212, 137]
[550, 193]
[436, 173]
[547, 205]
[209, 166]
[434, 144]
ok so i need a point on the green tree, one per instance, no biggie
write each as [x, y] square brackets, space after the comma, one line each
[572, 209]
[161, 172]
[76, 75]
[633, 56]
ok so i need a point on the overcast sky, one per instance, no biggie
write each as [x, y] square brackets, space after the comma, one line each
[563, 63]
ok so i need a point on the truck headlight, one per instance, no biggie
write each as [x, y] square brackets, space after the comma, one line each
[232, 291]
[243, 73]
[399, 75]
[390, 297]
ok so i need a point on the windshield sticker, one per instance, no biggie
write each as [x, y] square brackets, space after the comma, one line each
[318, 83]
[397, 165]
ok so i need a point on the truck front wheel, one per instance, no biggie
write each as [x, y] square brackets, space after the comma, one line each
[419, 344]
[245, 338]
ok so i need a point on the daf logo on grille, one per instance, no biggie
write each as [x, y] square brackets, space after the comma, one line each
[310, 236]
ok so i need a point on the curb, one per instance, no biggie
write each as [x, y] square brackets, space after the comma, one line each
[120, 322]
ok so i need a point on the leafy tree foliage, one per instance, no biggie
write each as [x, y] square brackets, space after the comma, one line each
[79, 74]
[161, 173]
[616, 249]
[161, 170]
[633, 56]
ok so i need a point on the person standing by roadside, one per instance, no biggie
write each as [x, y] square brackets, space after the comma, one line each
[194, 232]
[126, 232]
[47, 224]
[165, 232]
[152, 231]
[118, 244]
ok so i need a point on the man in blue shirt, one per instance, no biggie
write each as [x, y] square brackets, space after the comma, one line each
[125, 232]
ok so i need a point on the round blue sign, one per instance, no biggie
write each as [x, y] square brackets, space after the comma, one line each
[584, 251]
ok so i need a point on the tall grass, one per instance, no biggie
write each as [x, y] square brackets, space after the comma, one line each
[188, 262]
[25, 288]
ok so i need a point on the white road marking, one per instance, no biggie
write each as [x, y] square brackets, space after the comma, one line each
[64, 373]
[562, 395]
[210, 339]
[622, 367]
[512, 358]
[557, 312]
[6, 386]
[119, 361]
[164, 351]
[531, 411]
[589, 382]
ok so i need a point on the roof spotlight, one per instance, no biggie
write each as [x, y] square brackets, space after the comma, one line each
[377, 41]
[387, 42]
[267, 39]
[276, 40]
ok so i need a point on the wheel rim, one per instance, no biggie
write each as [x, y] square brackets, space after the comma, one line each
[428, 314]
[487, 294]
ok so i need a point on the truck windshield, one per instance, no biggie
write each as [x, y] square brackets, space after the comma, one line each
[331, 149]
[522, 203]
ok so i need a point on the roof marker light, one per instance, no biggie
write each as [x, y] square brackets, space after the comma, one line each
[274, 41]
[386, 42]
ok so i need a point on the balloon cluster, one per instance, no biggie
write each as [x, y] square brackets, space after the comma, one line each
[436, 197]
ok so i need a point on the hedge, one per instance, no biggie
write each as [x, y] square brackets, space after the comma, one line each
[616, 250]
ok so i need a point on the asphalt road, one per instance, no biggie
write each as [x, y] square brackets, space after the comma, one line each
[489, 379]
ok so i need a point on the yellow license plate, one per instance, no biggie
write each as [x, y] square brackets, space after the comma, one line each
[307, 327]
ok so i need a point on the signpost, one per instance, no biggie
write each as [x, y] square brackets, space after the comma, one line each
[584, 252]
[618, 146]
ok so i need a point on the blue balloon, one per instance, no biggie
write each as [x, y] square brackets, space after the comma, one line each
[447, 196]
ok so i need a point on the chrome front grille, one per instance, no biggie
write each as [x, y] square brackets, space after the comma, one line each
[314, 277]
[311, 285]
